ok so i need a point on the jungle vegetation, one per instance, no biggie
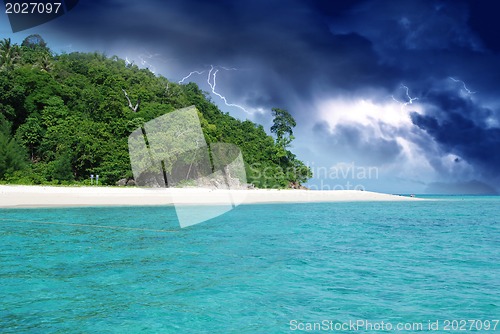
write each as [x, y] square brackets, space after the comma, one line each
[64, 117]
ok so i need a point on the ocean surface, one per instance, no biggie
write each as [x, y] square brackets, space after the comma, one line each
[276, 268]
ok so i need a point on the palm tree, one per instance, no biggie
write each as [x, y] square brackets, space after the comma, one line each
[45, 62]
[9, 54]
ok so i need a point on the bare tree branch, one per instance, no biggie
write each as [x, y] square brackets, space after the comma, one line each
[134, 109]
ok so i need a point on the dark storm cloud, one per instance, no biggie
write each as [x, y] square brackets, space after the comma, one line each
[428, 42]
[291, 48]
[287, 45]
[398, 26]
[460, 127]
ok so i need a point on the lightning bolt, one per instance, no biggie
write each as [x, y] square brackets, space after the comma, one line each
[189, 75]
[144, 59]
[147, 55]
[410, 99]
[212, 82]
[467, 90]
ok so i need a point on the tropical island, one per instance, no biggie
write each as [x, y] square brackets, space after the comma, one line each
[65, 117]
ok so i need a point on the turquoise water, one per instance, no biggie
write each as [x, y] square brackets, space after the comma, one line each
[253, 270]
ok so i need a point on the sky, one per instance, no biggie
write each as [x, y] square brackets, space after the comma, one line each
[391, 96]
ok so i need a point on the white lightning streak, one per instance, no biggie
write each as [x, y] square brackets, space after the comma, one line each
[465, 87]
[189, 75]
[214, 83]
[410, 99]
[145, 63]
[144, 59]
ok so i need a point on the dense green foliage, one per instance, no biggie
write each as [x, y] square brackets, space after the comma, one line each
[12, 155]
[64, 117]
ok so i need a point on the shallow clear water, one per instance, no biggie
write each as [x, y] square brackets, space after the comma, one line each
[252, 270]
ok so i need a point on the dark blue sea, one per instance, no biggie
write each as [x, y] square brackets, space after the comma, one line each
[278, 268]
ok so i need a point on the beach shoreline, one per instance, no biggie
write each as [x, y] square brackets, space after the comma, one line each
[18, 196]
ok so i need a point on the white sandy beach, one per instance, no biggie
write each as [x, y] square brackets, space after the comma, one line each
[47, 196]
